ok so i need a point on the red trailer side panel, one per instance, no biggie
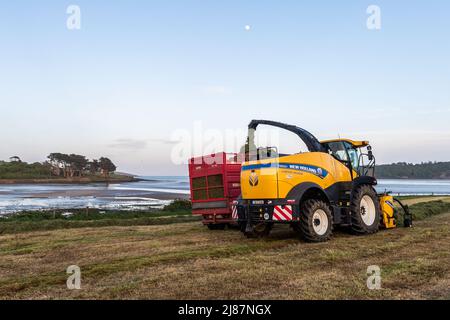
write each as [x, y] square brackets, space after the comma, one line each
[215, 184]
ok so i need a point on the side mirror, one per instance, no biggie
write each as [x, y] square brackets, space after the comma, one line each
[369, 153]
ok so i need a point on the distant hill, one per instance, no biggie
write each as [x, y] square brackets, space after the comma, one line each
[403, 170]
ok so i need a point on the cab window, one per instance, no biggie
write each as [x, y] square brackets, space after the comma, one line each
[353, 154]
[337, 150]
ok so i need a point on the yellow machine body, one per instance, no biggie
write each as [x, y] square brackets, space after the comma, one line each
[333, 183]
[274, 178]
[387, 211]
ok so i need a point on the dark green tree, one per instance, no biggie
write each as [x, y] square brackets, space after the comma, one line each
[107, 166]
[60, 163]
[77, 164]
[93, 166]
[15, 159]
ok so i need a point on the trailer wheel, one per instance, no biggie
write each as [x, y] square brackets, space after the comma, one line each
[316, 221]
[216, 226]
[365, 211]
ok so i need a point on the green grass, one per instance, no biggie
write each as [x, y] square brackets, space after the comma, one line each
[134, 263]
[82, 218]
[178, 205]
[423, 210]
[26, 226]
[177, 212]
[91, 214]
[188, 260]
[426, 209]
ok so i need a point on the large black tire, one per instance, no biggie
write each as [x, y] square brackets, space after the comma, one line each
[260, 230]
[316, 221]
[365, 211]
[216, 226]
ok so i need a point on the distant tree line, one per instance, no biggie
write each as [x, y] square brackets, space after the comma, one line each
[23, 170]
[57, 165]
[74, 165]
[424, 170]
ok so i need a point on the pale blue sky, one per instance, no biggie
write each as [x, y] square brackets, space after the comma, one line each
[138, 70]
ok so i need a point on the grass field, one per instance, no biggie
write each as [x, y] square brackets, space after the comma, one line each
[184, 260]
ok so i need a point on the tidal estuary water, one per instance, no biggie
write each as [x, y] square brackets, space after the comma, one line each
[151, 192]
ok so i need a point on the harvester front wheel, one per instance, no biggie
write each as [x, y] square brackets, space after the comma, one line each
[316, 221]
[365, 210]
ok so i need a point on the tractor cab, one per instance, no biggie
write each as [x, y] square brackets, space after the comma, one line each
[356, 155]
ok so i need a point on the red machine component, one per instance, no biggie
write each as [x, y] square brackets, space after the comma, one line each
[215, 185]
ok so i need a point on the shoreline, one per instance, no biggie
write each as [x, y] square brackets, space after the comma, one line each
[156, 195]
[106, 200]
[75, 181]
[124, 192]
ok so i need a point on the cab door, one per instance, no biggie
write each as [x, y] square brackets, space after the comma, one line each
[342, 163]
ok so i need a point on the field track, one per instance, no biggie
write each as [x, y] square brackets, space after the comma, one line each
[187, 261]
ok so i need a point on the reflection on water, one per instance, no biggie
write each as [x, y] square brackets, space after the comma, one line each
[153, 192]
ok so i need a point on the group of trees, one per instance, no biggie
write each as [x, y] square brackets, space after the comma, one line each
[424, 170]
[74, 165]
[22, 170]
[57, 165]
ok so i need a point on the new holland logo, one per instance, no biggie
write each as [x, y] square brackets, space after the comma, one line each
[253, 179]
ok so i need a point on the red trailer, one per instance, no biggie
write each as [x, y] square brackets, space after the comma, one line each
[215, 185]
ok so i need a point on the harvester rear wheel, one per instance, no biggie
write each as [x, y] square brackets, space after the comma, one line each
[316, 221]
[365, 211]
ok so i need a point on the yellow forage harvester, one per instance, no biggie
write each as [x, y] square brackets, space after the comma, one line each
[329, 184]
